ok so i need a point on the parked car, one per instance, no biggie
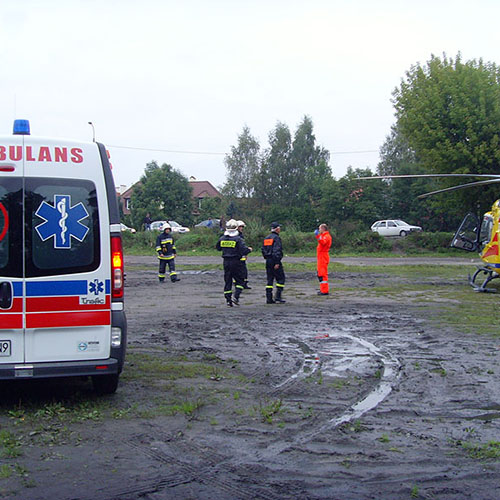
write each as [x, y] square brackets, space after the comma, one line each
[393, 227]
[126, 228]
[177, 228]
[158, 225]
[209, 223]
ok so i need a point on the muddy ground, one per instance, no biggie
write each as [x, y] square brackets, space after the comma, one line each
[365, 394]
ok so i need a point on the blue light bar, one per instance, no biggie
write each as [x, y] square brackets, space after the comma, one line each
[21, 127]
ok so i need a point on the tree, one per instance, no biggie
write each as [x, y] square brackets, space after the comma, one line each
[397, 158]
[309, 164]
[163, 192]
[449, 113]
[242, 166]
[275, 167]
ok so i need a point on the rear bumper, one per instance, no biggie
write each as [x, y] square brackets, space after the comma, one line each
[59, 369]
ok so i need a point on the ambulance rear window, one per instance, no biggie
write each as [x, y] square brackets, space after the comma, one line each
[62, 221]
[11, 212]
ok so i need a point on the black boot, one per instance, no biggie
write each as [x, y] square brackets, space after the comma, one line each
[174, 278]
[269, 296]
[246, 287]
[229, 300]
[237, 294]
[278, 298]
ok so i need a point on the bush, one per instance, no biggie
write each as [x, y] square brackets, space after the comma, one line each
[423, 241]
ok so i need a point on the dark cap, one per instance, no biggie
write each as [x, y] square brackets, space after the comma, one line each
[275, 225]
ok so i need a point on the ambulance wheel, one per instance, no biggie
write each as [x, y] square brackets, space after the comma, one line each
[105, 384]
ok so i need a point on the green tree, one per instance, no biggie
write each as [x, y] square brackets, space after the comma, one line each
[397, 158]
[448, 111]
[242, 166]
[275, 167]
[309, 164]
[163, 192]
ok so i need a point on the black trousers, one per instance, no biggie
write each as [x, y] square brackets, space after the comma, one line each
[232, 271]
[275, 274]
[163, 267]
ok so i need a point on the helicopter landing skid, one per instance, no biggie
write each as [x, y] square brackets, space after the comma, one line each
[490, 275]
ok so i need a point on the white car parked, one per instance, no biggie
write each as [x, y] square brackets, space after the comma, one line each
[158, 225]
[394, 227]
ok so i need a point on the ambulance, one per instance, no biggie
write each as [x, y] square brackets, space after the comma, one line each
[61, 261]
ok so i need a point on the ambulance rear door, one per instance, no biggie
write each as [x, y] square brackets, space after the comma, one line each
[11, 251]
[67, 253]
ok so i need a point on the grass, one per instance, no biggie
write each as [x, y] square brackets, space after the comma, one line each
[486, 451]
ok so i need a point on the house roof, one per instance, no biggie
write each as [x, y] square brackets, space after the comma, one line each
[203, 189]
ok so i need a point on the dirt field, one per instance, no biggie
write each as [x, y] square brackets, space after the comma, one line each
[366, 394]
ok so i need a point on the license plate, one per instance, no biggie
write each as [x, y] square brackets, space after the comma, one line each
[5, 348]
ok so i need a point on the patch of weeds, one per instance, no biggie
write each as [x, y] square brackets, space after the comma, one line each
[441, 371]
[10, 445]
[338, 383]
[395, 450]
[217, 374]
[5, 471]
[414, 492]
[269, 410]
[308, 413]
[213, 421]
[384, 438]
[188, 408]
[417, 365]
[151, 366]
[236, 396]
[478, 451]
[355, 426]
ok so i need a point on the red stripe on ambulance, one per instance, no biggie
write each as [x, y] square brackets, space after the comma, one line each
[11, 321]
[53, 304]
[67, 319]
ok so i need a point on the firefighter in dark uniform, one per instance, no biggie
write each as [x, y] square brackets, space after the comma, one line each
[243, 260]
[165, 248]
[233, 249]
[272, 251]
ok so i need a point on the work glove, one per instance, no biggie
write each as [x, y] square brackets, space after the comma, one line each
[316, 232]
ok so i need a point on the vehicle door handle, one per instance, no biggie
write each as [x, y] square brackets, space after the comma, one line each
[5, 295]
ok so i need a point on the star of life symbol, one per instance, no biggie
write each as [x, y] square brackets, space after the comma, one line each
[62, 221]
[96, 287]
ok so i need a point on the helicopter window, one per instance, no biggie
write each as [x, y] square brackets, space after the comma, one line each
[486, 228]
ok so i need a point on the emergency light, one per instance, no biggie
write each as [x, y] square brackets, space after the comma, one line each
[21, 127]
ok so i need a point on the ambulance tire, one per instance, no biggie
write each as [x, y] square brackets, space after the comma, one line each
[105, 384]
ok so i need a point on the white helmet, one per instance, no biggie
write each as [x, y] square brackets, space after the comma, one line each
[231, 225]
[240, 223]
[166, 226]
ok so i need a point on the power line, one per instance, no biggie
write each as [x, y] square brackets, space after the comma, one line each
[219, 154]
[167, 150]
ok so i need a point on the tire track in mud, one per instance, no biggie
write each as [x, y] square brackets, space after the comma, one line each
[316, 359]
[184, 472]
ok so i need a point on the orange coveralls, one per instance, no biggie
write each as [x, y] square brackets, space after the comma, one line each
[322, 251]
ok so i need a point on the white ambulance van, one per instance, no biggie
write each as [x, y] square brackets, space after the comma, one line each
[61, 261]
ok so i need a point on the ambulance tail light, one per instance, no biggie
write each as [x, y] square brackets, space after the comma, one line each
[117, 272]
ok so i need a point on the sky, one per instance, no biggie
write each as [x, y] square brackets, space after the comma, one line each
[176, 81]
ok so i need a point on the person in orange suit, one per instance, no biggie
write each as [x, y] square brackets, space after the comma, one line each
[323, 253]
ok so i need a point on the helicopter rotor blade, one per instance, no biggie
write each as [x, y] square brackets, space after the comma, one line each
[461, 186]
[410, 176]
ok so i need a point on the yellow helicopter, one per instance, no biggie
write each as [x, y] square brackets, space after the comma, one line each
[473, 234]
